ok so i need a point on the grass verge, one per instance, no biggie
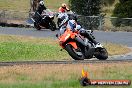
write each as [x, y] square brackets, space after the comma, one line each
[116, 49]
[24, 5]
[61, 76]
[21, 48]
[18, 48]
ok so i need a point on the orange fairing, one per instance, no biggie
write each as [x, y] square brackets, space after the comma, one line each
[68, 34]
[73, 44]
[65, 36]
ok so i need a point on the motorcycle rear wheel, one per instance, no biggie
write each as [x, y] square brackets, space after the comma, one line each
[101, 54]
[69, 48]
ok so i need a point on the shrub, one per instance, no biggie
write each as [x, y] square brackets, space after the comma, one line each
[86, 8]
[122, 10]
[108, 2]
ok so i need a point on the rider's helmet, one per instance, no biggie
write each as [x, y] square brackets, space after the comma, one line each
[63, 5]
[41, 2]
[63, 18]
[72, 24]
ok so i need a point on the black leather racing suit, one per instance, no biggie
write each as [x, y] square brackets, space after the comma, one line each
[41, 8]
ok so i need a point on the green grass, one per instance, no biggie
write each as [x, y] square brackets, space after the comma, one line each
[19, 8]
[27, 51]
[61, 76]
[24, 48]
[55, 4]
[18, 49]
[24, 5]
[45, 84]
[18, 5]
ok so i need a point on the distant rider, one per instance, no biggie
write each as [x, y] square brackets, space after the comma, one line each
[41, 7]
[63, 8]
[40, 10]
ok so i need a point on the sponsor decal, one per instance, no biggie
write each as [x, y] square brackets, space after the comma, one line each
[86, 81]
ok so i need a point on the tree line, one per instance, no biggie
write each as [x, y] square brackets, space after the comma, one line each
[123, 9]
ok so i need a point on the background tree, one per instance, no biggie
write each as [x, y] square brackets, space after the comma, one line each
[108, 2]
[87, 8]
[122, 10]
[34, 5]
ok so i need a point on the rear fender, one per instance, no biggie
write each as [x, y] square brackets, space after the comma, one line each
[73, 44]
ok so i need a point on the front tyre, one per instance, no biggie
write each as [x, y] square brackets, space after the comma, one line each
[73, 53]
[101, 54]
[37, 26]
[52, 26]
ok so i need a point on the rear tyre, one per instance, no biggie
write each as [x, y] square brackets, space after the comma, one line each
[101, 54]
[73, 53]
[37, 26]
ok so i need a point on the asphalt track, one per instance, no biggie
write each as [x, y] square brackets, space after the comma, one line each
[124, 38]
[64, 62]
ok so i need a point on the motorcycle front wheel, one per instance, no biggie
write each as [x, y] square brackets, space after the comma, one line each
[52, 26]
[37, 26]
[75, 54]
[101, 54]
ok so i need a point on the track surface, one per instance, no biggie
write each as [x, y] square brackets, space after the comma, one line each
[62, 62]
[124, 38]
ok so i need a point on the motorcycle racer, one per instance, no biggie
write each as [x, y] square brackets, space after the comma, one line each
[41, 7]
[72, 24]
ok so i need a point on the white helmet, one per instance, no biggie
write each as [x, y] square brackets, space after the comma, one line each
[63, 17]
[41, 2]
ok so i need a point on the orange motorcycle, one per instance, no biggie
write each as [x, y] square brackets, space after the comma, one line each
[78, 50]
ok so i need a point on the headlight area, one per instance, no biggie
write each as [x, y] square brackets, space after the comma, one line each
[68, 35]
[52, 17]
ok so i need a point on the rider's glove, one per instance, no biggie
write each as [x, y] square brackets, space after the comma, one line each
[78, 27]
